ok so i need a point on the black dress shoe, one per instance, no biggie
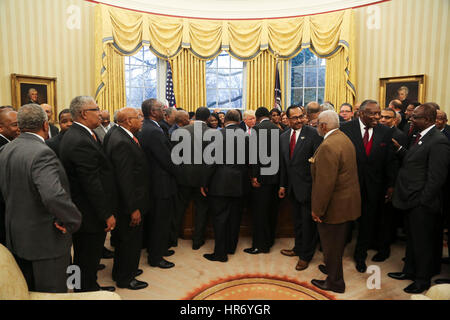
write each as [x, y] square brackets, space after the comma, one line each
[380, 257]
[134, 285]
[361, 266]
[100, 266]
[441, 281]
[322, 284]
[400, 276]
[108, 288]
[323, 269]
[416, 287]
[213, 257]
[163, 264]
[196, 246]
[107, 254]
[255, 250]
[169, 253]
[138, 272]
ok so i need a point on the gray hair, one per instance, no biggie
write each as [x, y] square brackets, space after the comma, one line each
[249, 113]
[365, 103]
[115, 116]
[327, 106]
[77, 104]
[329, 117]
[168, 111]
[31, 117]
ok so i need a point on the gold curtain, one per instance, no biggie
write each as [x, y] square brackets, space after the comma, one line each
[189, 80]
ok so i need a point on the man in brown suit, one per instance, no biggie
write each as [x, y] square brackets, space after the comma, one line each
[335, 197]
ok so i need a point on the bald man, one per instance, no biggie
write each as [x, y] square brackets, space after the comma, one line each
[49, 111]
[313, 110]
[105, 125]
[131, 172]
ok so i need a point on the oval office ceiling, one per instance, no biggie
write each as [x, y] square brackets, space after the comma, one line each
[237, 9]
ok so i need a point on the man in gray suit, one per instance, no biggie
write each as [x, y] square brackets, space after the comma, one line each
[40, 215]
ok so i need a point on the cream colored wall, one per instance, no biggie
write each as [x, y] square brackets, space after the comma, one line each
[35, 40]
[413, 38]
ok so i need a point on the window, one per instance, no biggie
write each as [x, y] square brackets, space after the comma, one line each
[224, 79]
[307, 78]
[141, 77]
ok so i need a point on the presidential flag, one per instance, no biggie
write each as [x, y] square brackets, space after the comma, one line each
[277, 102]
[170, 96]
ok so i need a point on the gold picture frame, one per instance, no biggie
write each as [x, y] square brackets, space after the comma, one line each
[45, 86]
[390, 85]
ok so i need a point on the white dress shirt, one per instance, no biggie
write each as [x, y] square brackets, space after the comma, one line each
[328, 133]
[297, 134]
[362, 126]
[89, 130]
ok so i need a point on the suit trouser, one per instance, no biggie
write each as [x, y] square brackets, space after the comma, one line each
[48, 275]
[226, 213]
[422, 240]
[264, 215]
[87, 252]
[128, 250]
[305, 229]
[159, 221]
[186, 194]
[333, 238]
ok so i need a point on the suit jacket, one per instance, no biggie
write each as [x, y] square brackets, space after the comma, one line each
[423, 172]
[296, 172]
[231, 180]
[446, 131]
[54, 130]
[3, 141]
[36, 192]
[165, 126]
[335, 193]
[375, 171]
[195, 175]
[130, 171]
[157, 149]
[100, 132]
[91, 178]
[54, 142]
[256, 169]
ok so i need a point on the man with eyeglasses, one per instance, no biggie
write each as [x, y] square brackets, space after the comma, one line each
[375, 159]
[346, 112]
[297, 146]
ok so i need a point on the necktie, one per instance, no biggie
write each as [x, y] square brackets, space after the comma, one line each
[292, 145]
[137, 141]
[410, 130]
[366, 137]
[249, 129]
[94, 136]
[417, 139]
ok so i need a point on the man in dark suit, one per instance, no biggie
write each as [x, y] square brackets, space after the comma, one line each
[53, 132]
[163, 185]
[168, 120]
[65, 121]
[297, 145]
[40, 216]
[93, 188]
[9, 130]
[418, 190]
[264, 187]
[131, 172]
[226, 188]
[376, 172]
[193, 176]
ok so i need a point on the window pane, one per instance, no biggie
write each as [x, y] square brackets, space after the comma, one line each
[211, 98]
[223, 97]
[236, 63]
[310, 95]
[235, 95]
[310, 58]
[223, 61]
[236, 78]
[299, 59]
[211, 79]
[321, 75]
[136, 78]
[297, 77]
[150, 92]
[320, 95]
[310, 77]
[297, 97]
[211, 64]
[223, 78]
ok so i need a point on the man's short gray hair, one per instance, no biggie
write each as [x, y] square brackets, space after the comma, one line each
[329, 117]
[327, 106]
[168, 111]
[31, 117]
[77, 104]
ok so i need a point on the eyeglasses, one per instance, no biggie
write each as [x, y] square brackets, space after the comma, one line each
[297, 118]
[345, 111]
[387, 117]
[92, 109]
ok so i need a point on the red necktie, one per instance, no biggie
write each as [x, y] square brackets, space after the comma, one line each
[292, 145]
[366, 137]
[417, 139]
[137, 141]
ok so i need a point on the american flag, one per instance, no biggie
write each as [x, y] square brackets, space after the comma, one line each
[277, 102]
[170, 96]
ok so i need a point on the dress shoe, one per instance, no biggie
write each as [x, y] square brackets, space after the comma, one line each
[380, 257]
[441, 281]
[100, 266]
[255, 251]
[416, 287]
[134, 285]
[213, 257]
[322, 284]
[323, 269]
[196, 246]
[400, 276]
[287, 252]
[107, 254]
[361, 266]
[163, 264]
[169, 253]
[301, 265]
[138, 272]
[108, 288]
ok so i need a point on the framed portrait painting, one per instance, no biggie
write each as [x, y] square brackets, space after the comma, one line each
[411, 88]
[30, 89]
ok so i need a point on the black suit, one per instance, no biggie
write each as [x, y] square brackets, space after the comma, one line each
[93, 191]
[295, 176]
[265, 197]
[131, 172]
[53, 130]
[376, 173]
[3, 141]
[165, 126]
[227, 186]
[418, 190]
[163, 189]
[55, 142]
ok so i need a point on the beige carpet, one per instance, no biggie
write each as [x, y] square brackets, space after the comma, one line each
[193, 274]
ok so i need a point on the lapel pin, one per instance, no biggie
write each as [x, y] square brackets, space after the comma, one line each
[302, 137]
[420, 142]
